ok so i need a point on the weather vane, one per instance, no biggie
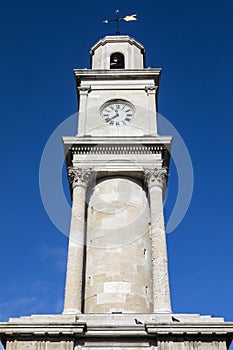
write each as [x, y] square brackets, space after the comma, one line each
[118, 19]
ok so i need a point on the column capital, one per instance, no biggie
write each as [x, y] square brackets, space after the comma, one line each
[155, 177]
[79, 177]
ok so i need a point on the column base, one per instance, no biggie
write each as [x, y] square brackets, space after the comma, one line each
[162, 311]
[71, 312]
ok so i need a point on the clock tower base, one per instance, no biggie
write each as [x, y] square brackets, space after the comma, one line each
[116, 331]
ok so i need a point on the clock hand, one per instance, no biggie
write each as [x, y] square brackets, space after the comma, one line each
[115, 116]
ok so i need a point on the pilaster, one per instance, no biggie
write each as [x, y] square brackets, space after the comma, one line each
[83, 92]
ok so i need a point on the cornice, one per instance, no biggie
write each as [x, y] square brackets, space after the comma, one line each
[98, 330]
[108, 74]
[56, 328]
[190, 328]
[138, 147]
[146, 139]
[117, 39]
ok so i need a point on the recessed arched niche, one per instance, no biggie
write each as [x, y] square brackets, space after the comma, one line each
[117, 61]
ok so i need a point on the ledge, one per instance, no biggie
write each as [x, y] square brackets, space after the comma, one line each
[117, 74]
[117, 39]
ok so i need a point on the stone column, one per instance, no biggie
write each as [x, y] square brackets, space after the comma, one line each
[156, 182]
[79, 179]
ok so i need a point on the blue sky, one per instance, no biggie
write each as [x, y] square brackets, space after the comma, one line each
[41, 42]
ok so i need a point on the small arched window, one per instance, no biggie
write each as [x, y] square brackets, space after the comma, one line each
[117, 61]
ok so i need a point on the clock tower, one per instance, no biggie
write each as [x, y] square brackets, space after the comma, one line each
[117, 292]
[117, 167]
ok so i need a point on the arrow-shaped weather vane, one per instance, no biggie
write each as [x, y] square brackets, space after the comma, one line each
[118, 19]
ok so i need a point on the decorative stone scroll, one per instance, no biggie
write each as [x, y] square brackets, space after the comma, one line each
[79, 177]
[84, 90]
[150, 90]
[155, 177]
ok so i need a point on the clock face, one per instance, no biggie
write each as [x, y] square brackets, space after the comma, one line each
[117, 113]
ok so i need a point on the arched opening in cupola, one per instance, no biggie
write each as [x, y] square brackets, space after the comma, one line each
[117, 61]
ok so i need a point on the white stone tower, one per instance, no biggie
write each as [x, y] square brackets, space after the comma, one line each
[117, 287]
[117, 167]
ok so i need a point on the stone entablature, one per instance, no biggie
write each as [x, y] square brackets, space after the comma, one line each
[122, 154]
[149, 142]
[117, 149]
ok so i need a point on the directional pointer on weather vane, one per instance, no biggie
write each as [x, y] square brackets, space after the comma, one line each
[118, 19]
